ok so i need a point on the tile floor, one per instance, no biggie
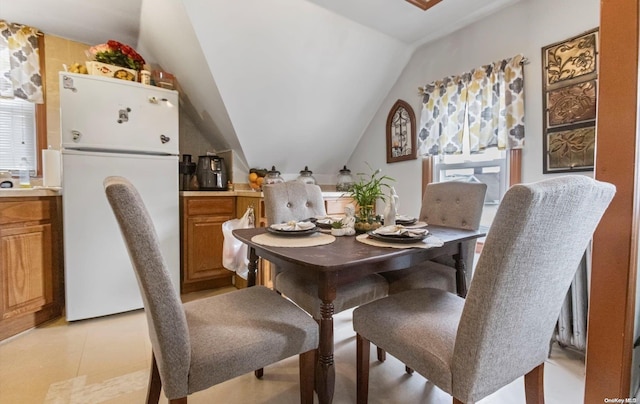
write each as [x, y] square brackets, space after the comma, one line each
[107, 360]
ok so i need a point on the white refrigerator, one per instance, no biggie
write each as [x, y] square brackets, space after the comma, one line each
[114, 127]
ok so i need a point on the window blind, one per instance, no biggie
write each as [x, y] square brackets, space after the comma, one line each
[17, 134]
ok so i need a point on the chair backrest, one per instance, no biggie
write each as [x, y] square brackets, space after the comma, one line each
[165, 316]
[530, 256]
[292, 200]
[453, 204]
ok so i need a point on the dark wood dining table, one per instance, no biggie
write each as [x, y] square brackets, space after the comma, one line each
[343, 261]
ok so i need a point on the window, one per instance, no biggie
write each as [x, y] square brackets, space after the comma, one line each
[17, 134]
[424, 4]
[22, 109]
[489, 167]
[472, 128]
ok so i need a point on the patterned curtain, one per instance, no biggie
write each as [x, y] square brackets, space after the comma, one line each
[20, 63]
[490, 99]
[442, 118]
[495, 99]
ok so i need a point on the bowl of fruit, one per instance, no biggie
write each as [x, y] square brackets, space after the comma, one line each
[256, 178]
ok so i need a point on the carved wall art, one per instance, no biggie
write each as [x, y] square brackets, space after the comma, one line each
[401, 133]
[569, 102]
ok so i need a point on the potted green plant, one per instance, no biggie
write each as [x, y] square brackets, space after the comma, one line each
[365, 192]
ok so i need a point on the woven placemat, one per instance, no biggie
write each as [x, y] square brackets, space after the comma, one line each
[282, 241]
[429, 242]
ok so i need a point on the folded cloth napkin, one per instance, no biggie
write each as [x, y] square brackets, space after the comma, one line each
[293, 226]
[325, 220]
[400, 230]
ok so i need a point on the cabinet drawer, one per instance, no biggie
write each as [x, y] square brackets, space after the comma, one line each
[24, 211]
[224, 206]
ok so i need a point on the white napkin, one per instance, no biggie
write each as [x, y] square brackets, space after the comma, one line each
[325, 220]
[293, 226]
[399, 230]
[404, 218]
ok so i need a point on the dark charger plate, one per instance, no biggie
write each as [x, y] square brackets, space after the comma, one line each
[292, 233]
[397, 238]
[406, 222]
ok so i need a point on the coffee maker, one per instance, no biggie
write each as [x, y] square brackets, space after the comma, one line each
[211, 173]
[187, 170]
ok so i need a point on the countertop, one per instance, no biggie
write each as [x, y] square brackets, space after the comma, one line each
[24, 192]
[41, 191]
[250, 193]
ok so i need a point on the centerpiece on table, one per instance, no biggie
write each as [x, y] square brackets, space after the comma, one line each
[365, 192]
[114, 59]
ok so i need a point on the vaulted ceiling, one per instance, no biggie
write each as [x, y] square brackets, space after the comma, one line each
[282, 82]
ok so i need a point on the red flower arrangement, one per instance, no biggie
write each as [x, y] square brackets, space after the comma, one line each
[118, 54]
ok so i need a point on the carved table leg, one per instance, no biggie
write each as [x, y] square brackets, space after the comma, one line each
[251, 281]
[253, 267]
[325, 368]
[461, 273]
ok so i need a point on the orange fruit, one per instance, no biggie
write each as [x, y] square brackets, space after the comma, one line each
[259, 181]
[253, 177]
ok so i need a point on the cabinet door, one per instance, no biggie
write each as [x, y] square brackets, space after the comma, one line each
[26, 268]
[202, 241]
[204, 259]
[242, 203]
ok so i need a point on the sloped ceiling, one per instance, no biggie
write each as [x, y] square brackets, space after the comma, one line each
[282, 82]
[299, 82]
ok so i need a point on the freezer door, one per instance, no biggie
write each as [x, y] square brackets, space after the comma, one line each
[99, 278]
[108, 114]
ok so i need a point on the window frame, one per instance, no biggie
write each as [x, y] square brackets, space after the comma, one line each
[514, 161]
[41, 110]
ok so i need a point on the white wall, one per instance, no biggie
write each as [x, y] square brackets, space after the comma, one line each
[524, 28]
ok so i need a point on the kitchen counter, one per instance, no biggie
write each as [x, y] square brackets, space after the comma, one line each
[210, 193]
[251, 194]
[24, 192]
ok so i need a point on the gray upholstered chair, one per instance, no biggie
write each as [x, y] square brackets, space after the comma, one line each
[207, 341]
[471, 348]
[297, 201]
[452, 204]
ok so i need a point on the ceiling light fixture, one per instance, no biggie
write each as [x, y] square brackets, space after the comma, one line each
[424, 4]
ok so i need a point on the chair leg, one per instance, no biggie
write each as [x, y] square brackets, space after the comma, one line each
[534, 385]
[363, 349]
[259, 373]
[155, 384]
[456, 401]
[307, 376]
[182, 400]
[382, 355]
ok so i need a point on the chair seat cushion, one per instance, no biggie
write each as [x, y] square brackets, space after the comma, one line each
[241, 331]
[304, 292]
[418, 327]
[429, 274]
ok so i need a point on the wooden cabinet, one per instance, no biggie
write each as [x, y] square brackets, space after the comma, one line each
[335, 205]
[31, 281]
[264, 269]
[243, 202]
[201, 241]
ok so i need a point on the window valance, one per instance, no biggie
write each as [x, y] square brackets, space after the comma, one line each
[20, 62]
[487, 101]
